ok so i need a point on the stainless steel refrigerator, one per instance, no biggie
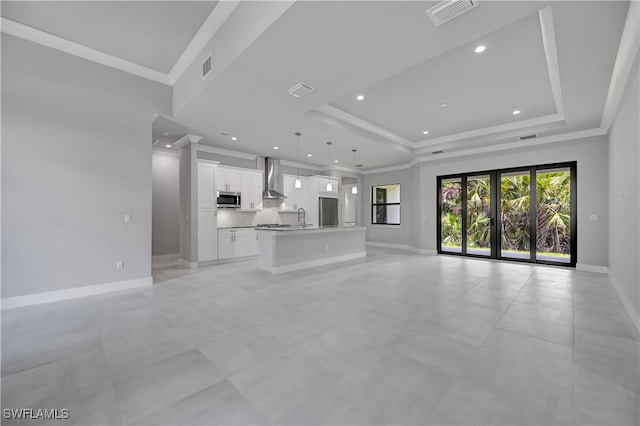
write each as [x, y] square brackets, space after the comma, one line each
[328, 212]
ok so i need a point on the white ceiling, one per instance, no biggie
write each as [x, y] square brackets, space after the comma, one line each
[390, 52]
[483, 88]
[149, 33]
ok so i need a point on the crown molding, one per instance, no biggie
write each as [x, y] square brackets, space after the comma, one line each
[508, 146]
[627, 52]
[493, 130]
[227, 152]
[54, 42]
[209, 28]
[344, 116]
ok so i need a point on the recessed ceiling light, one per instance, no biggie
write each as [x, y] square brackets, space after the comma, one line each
[444, 105]
[335, 161]
[481, 48]
[360, 97]
[233, 138]
[168, 146]
[309, 155]
[275, 147]
[516, 112]
[426, 132]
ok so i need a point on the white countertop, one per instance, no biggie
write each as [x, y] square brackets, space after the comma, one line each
[310, 230]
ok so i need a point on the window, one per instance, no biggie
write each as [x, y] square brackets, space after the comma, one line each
[385, 204]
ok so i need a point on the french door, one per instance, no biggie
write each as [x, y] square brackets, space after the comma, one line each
[524, 214]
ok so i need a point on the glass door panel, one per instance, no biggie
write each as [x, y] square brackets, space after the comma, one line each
[515, 194]
[479, 215]
[451, 215]
[553, 215]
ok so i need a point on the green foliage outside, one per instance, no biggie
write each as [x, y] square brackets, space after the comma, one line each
[553, 236]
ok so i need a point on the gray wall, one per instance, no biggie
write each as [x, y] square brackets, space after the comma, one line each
[165, 235]
[390, 234]
[76, 157]
[591, 155]
[624, 181]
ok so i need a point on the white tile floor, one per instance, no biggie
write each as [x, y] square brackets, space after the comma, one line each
[395, 338]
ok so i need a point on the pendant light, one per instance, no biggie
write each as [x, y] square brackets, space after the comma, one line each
[298, 183]
[354, 188]
[329, 186]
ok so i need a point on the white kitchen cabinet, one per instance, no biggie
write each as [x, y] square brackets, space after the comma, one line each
[237, 243]
[296, 197]
[251, 189]
[206, 184]
[322, 185]
[225, 244]
[207, 235]
[251, 241]
[227, 179]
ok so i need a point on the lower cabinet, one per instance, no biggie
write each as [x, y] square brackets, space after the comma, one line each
[237, 243]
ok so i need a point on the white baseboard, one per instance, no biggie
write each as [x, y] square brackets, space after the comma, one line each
[592, 268]
[424, 251]
[402, 247]
[625, 300]
[389, 245]
[187, 264]
[72, 293]
[165, 258]
[313, 263]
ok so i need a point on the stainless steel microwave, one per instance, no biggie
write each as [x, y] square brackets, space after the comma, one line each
[229, 200]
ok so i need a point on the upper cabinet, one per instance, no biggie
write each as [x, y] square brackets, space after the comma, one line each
[296, 197]
[251, 189]
[245, 181]
[323, 181]
[227, 179]
[206, 184]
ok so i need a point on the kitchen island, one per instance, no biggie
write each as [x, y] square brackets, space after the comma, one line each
[292, 248]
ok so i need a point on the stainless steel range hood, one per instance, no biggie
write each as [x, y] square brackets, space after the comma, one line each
[272, 180]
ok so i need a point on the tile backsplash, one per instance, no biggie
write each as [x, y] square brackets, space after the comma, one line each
[228, 218]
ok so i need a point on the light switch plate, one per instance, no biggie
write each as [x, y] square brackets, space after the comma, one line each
[593, 217]
[127, 218]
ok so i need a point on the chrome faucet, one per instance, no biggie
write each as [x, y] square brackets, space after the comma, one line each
[304, 214]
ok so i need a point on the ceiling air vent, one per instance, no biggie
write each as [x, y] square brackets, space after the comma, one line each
[523, 138]
[359, 165]
[449, 9]
[300, 89]
[206, 66]
[437, 152]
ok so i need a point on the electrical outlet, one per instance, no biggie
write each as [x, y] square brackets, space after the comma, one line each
[120, 264]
